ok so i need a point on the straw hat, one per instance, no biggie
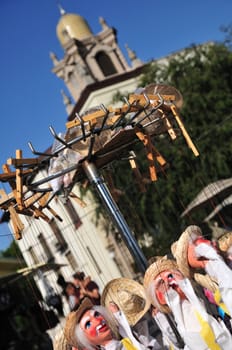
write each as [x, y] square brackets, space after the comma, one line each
[73, 319]
[206, 281]
[156, 268]
[129, 296]
[225, 241]
[180, 248]
[60, 342]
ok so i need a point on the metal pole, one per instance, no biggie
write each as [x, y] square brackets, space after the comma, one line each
[94, 177]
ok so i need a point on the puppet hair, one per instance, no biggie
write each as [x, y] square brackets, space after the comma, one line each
[153, 298]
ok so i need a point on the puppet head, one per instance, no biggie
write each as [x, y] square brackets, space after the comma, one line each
[90, 326]
[184, 252]
[160, 277]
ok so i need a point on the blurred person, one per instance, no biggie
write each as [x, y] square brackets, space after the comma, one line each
[73, 295]
[87, 287]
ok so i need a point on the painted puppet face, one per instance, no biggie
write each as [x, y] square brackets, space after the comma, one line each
[95, 328]
[166, 280]
[193, 260]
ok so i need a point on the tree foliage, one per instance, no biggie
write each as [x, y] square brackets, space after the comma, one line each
[12, 251]
[203, 76]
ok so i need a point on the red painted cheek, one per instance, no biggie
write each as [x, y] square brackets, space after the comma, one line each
[193, 261]
[95, 322]
[161, 298]
[92, 331]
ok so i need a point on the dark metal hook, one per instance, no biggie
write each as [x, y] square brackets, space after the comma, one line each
[58, 138]
[105, 110]
[39, 153]
[135, 115]
[118, 122]
[152, 110]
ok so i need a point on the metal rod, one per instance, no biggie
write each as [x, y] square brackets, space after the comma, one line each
[99, 183]
[54, 176]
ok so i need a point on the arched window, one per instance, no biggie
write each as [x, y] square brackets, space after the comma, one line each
[105, 63]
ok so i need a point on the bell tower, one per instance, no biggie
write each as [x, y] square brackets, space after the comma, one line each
[88, 58]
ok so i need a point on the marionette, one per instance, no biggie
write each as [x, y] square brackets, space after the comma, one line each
[92, 326]
[195, 253]
[127, 300]
[169, 290]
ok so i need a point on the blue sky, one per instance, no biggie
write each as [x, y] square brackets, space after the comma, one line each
[30, 92]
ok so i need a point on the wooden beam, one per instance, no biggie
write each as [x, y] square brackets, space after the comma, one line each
[16, 223]
[12, 175]
[23, 161]
[136, 101]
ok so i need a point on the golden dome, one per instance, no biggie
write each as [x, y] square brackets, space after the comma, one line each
[72, 26]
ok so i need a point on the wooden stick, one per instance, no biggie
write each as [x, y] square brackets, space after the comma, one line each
[184, 131]
[19, 184]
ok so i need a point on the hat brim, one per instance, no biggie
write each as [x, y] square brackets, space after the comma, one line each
[73, 319]
[225, 241]
[60, 342]
[111, 293]
[180, 249]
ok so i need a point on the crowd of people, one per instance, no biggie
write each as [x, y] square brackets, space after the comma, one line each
[79, 288]
[187, 293]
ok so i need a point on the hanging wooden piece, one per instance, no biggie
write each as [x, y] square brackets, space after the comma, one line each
[43, 203]
[138, 176]
[152, 154]
[116, 193]
[39, 214]
[15, 219]
[78, 200]
[184, 131]
[16, 223]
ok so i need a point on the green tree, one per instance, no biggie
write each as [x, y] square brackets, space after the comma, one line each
[12, 251]
[203, 76]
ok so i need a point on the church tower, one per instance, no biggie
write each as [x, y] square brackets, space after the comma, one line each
[90, 60]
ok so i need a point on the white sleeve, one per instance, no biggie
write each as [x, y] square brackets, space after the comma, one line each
[219, 270]
[206, 251]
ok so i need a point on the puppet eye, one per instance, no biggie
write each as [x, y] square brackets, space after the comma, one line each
[160, 282]
[87, 325]
[96, 314]
[170, 275]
